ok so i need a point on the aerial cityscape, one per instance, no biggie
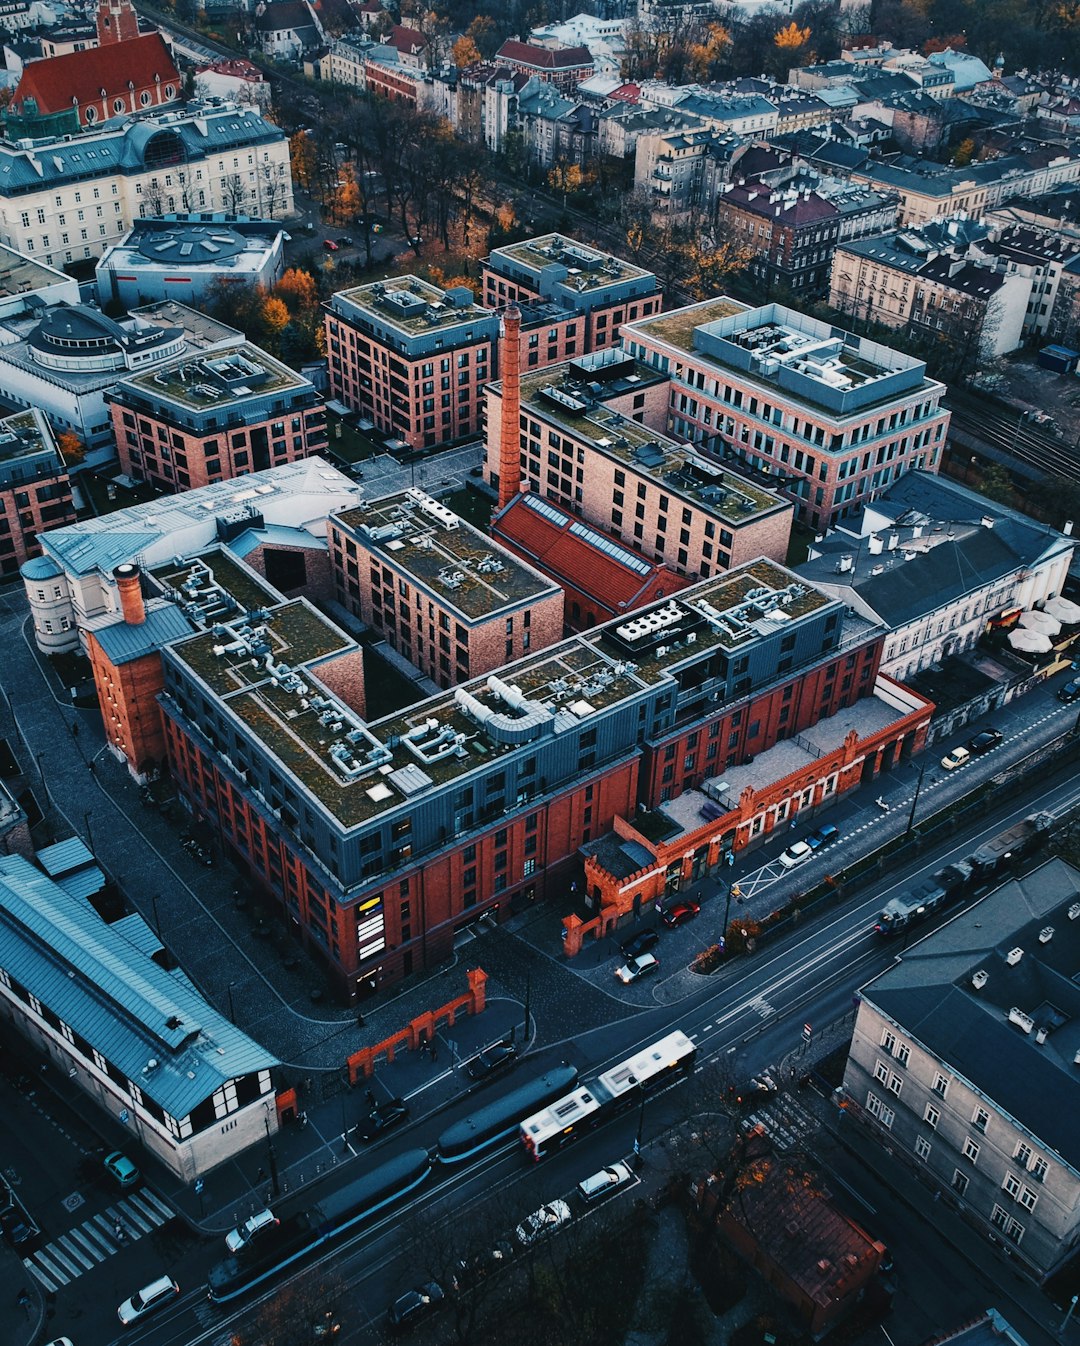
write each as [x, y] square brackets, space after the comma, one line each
[540, 697]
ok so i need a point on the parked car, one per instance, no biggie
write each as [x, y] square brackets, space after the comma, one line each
[470, 1271]
[641, 943]
[989, 738]
[148, 1300]
[499, 1056]
[329, 245]
[543, 1222]
[679, 914]
[344, 241]
[956, 758]
[796, 854]
[257, 1224]
[607, 1180]
[415, 1305]
[825, 835]
[381, 1118]
[634, 968]
[17, 1227]
[121, 1169]
[1070, 691]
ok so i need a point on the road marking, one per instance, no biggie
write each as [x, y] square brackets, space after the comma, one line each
[73, 1248]
[95, 1251]
[64, 1261]
[52, 1282]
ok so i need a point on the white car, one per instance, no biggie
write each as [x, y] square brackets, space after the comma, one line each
[543, 1222]
[956, 758]
[796, 854]
[148, 1300]
[607, 1180]
[637, 967]
[240, 1237]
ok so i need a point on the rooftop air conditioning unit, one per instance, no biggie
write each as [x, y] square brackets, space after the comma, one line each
[980, 979]
[1013, 956]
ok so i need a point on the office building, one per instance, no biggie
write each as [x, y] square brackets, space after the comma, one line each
[213, 417]
[35, 493]
[829, 417]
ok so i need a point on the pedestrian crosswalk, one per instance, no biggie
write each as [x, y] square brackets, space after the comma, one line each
[82, 1248]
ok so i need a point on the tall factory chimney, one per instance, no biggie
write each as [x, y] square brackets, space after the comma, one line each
[510, 436]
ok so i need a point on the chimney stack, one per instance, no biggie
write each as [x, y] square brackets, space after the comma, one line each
[129, 584]
[510, 432]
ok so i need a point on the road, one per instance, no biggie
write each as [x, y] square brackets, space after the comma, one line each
[747, 1017]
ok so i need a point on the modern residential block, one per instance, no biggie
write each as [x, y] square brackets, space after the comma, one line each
[411, 357]
[444, 595]
[213, 417]
[35, 493]
[830, 417]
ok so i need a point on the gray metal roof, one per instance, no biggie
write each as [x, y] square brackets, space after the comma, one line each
[64, 856]
[115, 996]
[122, 643]
[929, 994]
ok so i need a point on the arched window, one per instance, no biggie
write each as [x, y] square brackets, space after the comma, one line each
[91, 115]
[118, 105]
[144, 98]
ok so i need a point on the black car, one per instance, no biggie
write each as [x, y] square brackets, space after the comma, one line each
[415, 1305]
[640, 943]
[498, 1057]
[989, 738]
[344, 241]
[381, 1118]
[468, 1272]
[1070, 691]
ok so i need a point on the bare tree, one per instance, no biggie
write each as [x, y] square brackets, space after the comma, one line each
[234, 194]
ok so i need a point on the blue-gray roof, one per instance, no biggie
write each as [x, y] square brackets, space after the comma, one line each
[63, 857]
[115, 996]
[39, 568]
[122, 643]
[276, 535]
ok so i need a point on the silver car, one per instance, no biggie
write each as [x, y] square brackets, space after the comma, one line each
[543, 1222]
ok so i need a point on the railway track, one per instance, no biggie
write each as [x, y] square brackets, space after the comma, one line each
[1003, 430]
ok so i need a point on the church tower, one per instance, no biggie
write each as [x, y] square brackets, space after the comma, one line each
[116, 22]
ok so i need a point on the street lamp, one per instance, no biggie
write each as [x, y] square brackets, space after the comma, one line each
[232, 1011]
[44, 782]
[528, 993]
[89, 834]
[918, 788]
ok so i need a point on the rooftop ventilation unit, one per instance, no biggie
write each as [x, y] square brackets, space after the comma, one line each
[1013, 956]
[1021, 1020]
[1046, 934]
[980, 979]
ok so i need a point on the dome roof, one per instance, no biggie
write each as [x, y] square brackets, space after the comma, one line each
[40, 568]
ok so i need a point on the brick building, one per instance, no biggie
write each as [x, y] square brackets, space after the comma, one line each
[35, 493]
[600, 577]
[565, 67]
[830, 417]
[586, 445]
[441, 593]
[411, 357]
[573, 297]
[214, 417]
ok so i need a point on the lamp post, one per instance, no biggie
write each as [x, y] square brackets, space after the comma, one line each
[528, 994]
[44, 782]
[89, 834]
[918, 788]
[232, 1011]
[640, 1128]
[271, 1154]
[157, 918]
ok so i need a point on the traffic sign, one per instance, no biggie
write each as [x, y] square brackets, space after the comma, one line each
[807, 1033]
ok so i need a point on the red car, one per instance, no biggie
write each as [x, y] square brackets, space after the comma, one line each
[329, 245]
[679, 913]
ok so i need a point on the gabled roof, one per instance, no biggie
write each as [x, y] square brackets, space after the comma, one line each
[122, 643]
[283, 15]
[407, 40]
[587, 560]
[80, 76]
[545, 58]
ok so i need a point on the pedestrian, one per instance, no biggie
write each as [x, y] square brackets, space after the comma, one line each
[261, 1175]
[370, 1098]
[90, 766]
[434, 1054]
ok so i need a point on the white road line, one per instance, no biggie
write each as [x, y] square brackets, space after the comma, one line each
[53, 1270]
[150, 1211]
[35, 1270]
[73, 1248]
[163, 1206]
[95, 1235]
[130, 1215]
[91, 1247]
[65, 1262]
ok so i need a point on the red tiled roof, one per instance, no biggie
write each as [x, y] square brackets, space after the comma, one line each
[236, 66]
[407, 39]
[628, 93]
[55, 82]
[770, 202]
[572, 559]
[544, 58]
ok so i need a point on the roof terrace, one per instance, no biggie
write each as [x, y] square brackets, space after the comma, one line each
[218, 381]
[411, 308]
[445, 556]
[570, 396]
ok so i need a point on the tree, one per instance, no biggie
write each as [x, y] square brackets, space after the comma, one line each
[484, 35]
[465, 52]
[790, 43]
[964, 153]
[71, 447]
[705, 56]
[275, 318]
[996, 483]
[298, 290]
[290, 1315]
[713, 263]
[234, 193]
[302, 159]
[346, 203]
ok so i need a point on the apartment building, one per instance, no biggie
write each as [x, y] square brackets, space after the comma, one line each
[574, 298]
[440, 592]
[586, 444]
[213, 417]
[35, 493]
[564, 67]
[411, 357]
[794, 227]
[963, 1062]
[63, 200]
[831, 418]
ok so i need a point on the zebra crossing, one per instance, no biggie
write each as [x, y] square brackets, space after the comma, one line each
[79, 1250]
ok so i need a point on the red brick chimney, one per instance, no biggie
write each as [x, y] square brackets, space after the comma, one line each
[129, 584]
[510, 434]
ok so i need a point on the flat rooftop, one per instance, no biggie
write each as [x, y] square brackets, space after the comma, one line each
[265, 667]
[786, 351]
[587, 268]
[462, 567]
[191, 243]
[20, 274]
[568, 396]
[219, 380]
[22, 436]
[200, 330]
[211, 587]
[413, 307]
